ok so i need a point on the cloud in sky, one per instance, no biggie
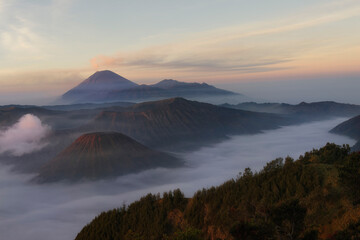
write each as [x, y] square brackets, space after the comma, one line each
[27, 32]
[249, 48]
[21, 38]
[25, 136]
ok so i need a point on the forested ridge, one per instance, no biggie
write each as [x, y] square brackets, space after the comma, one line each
[314, 197]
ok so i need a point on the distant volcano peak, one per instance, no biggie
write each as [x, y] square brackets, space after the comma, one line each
[96, 84]
[107, 86]
[107, 77]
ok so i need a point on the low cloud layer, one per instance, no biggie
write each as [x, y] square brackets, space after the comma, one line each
[58, 212]
[25, 136]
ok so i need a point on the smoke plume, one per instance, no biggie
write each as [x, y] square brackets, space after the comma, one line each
[24, 137]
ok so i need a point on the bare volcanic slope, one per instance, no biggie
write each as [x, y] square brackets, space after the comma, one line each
[177, 121]
[101, 155]
[97, 86]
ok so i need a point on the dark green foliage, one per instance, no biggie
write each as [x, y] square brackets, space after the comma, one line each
[144, 219]
[289, 219]
[350, 175]
[285, 200]
[251, 231]
[188, 234]
[311, 235]
[330, 154]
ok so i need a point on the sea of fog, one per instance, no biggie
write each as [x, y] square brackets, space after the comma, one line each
[59, 211]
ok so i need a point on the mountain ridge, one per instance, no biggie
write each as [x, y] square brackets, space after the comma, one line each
[175, 120]
[350, 128]
[107, 86]
[305, 111]
[96, 86]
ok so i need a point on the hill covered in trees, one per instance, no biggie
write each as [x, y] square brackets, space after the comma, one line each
[314, 197]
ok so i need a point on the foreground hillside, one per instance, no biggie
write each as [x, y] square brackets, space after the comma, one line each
[315, 197]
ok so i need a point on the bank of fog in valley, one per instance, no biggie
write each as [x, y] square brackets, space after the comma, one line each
[60, 211]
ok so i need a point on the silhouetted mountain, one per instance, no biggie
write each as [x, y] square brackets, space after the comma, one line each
[81, 106]
[106, 86]
[303, 111]
[315, 197]
[170, 83]
[97, 86]
[183, 89]
[142, 92]
[280, 108]
[350, 128]
[177, 120]
[101, 155]
[167, 89]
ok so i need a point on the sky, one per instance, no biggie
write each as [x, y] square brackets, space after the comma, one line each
[49, 46]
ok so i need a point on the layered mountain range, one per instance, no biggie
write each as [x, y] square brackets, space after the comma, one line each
[175, 121]
[302, 111]
[107, 86]
[175, 124]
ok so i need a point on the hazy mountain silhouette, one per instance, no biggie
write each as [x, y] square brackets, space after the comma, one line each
[168, 88]
[97, 86]
[80, 106]
[302, 111]
[101, 155]
[183, 88]
[350, 128]
[107, 86]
